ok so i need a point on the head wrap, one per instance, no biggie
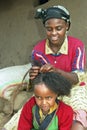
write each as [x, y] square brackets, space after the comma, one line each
[59, 12]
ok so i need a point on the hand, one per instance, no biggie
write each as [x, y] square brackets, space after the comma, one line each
[33, 72]
[47, 68]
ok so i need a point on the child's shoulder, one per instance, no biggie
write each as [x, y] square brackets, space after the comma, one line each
[31, 102]
[64, 107]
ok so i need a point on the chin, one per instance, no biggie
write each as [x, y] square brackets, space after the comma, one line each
[54, 41]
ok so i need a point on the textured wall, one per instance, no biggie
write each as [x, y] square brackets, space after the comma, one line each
[19, 31]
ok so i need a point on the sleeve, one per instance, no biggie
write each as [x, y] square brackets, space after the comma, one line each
[26, 117]
[38, 58]
[79, 58]
[79, 61]
[81, 76]
[65, 118]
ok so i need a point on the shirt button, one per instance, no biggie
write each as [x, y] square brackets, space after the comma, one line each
[55, 62]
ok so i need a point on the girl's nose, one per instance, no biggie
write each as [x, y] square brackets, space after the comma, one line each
[54, 32]
[44, 101]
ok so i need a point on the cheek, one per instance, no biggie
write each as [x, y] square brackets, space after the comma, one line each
[52, 102]
[38, 102]
[48, 33]
[63, 32]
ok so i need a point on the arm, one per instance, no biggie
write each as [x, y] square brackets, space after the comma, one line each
[38, 67]
[78, 63]
[69, 75]
[73, 77]
[48, 67]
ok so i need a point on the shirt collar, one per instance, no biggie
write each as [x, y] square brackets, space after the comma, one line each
[63, 49]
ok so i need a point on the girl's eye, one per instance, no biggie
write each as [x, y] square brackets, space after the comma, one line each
[38, 97]
[48, 29]
[59, 28]
[49, 98]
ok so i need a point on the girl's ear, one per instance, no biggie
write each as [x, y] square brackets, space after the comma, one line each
[56, 95]
[67, 26]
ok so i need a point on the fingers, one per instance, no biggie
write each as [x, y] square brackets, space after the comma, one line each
[33, 72]
[46, 68]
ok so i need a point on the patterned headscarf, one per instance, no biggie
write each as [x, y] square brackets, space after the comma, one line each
[59, 12]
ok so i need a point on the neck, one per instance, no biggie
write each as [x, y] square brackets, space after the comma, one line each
[45, 113]
[54, 48]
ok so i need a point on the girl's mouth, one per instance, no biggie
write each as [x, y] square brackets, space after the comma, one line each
[45, 109]
[54, 38]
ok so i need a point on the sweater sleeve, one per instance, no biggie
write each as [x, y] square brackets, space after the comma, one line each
[26, 119]
[65, 117]
[78, 55]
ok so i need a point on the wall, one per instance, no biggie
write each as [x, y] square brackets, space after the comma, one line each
[19, 31]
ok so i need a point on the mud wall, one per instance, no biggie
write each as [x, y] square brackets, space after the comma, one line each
[19, 31]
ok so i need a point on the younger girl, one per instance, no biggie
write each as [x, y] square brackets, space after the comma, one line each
[44, 111]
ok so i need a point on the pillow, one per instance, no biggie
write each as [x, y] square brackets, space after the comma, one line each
[11, 79]
[13, 123]
[78, 96]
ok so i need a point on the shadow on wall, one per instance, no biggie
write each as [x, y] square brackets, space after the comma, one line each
[7, 4]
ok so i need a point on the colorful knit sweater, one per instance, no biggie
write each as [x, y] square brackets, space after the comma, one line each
[61, 119]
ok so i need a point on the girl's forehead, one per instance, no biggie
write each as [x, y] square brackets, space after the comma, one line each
[43, 91]
[55, 20]
[42, 88]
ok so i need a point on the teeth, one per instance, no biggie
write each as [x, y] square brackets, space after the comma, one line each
[54, 38]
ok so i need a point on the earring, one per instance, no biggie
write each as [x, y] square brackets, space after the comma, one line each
[66, 32]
